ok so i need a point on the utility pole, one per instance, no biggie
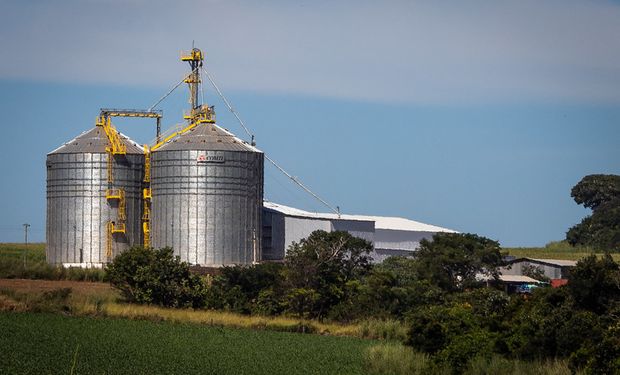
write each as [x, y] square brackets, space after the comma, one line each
[26, 226]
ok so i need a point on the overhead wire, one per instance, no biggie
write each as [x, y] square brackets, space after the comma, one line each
[230, 108]
[245, 128]
[171, 90]
[287, 192]
[293, 178]
[301, 185]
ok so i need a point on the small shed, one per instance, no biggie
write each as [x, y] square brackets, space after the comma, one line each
[512, 283]
[519, 284]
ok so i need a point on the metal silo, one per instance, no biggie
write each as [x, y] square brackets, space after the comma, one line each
[207, 194]
[94, 198]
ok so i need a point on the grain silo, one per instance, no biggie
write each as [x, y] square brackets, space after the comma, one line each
[94, 197]
[206, 189]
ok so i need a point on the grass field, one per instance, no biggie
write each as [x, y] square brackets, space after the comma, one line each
[19, 261]
[34, 252]
[556, 250]
[45, 343]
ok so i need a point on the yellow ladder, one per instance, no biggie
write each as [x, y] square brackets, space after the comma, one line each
[118, 194]
[116, 147]
[118, 226]
[147, 164]
[146, 199]
[146, 216]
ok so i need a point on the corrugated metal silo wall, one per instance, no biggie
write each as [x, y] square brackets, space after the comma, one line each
[209, 213]
[77, 209]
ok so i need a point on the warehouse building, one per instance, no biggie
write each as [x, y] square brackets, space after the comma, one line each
[283, 225]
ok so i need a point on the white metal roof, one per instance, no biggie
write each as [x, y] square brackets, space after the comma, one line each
[381, 222]
[553, 262]
[518, 279]
[557, 262]
[509, 278]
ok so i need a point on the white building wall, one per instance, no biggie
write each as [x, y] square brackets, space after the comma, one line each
[399, 239]
[390, 235]
[357, 228]
[296, 229]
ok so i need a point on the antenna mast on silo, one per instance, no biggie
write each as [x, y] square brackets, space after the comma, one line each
[199, 112]
[194, 58]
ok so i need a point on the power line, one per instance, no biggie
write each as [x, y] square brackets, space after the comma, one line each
[171, 90]
[293, 178]
[228, 104]
[245, 128]
[301, 185]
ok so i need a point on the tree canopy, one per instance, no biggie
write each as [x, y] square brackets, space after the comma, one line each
[596, 189]
[319, 267]
[601, 193]
[453, 261]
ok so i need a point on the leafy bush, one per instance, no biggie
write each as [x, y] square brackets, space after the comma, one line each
[241, 288]
[433, 328]
[462, 348]
[156, 277]
[268, 303]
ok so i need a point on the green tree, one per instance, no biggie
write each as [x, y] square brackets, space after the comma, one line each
[156, 277]
[601, 193]
[595, 283]
[318, 268]
[596, 189]
[453, 261]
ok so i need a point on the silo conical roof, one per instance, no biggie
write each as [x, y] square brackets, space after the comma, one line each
[95, 141]
[208, 137]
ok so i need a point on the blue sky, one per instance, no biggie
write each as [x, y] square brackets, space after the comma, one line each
[478, 117]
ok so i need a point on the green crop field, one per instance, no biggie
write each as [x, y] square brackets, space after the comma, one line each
[48, 343]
